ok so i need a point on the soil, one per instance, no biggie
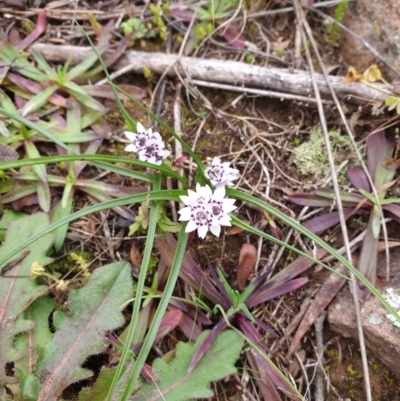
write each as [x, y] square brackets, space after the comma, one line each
[258, 135]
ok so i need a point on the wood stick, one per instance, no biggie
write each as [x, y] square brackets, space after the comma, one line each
[295, 82]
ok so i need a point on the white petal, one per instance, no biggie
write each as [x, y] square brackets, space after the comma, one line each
[216, 230]
[219, 193]
[191, 226]
[216, 160]
[140, 128]
[185, 200]
[156, 136]
[202, 231]
[130, 148]
[185, 214]
[130, 135]
[225, 221]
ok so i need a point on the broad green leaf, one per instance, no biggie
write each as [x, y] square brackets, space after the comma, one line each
[17, 292]
[175, 384]
[93, 311]
[7, 218]
[32, 341]
[100, 389]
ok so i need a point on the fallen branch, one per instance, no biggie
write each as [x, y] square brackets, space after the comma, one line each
[268, 81]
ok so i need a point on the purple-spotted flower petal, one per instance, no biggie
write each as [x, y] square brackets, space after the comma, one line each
[220, 174]
[206, 210]
[149, 145]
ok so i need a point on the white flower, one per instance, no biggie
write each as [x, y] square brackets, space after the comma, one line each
[147, 144]
[220, 174]
[206, 210]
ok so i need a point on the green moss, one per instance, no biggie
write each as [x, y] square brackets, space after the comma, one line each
[334, 29]
[311, 156]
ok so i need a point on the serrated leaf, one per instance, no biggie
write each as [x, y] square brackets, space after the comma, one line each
[94, 310]
[15, 292]
[175, 384]
[100, 389]
[32, 341]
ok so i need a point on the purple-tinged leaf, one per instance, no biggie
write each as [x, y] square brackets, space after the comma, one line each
[368, 258]
[379, 151]
[168, 323]
[232, 35]
[321, 223]
[206, 345]
[105, 92]
[182, 15]
[276, 232]
[19, 101]
[220, 287]
[39, 29]
[251, 333]
[247, 261]
[188, 326]
[35, 88]
[261, 325]
[268, 368]
[393, 209]
[349, 199]
[190, 271]
[298, 266]
[259, 368]
[308, 199]
[259, 297]
[111, 58]
[358, 179]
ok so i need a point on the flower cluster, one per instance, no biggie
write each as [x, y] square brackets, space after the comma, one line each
[206, 209]
[149, 145]
[220, 174]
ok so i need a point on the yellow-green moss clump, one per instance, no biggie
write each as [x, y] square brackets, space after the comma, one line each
[311, 156]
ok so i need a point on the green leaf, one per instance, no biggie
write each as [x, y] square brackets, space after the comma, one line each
[58, 213]
[50, 73]
[93, 311]
[34, 340]
[175, 384]
[100, 389]
[17, 292]
[38, 100]
[7, 218]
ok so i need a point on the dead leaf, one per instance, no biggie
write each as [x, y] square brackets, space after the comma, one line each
[326, 293]
[352, 76]
[135, 256]
[372, 74]
[247, 261]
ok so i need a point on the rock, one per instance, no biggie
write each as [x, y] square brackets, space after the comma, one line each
[377, 23]
[382, 338]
